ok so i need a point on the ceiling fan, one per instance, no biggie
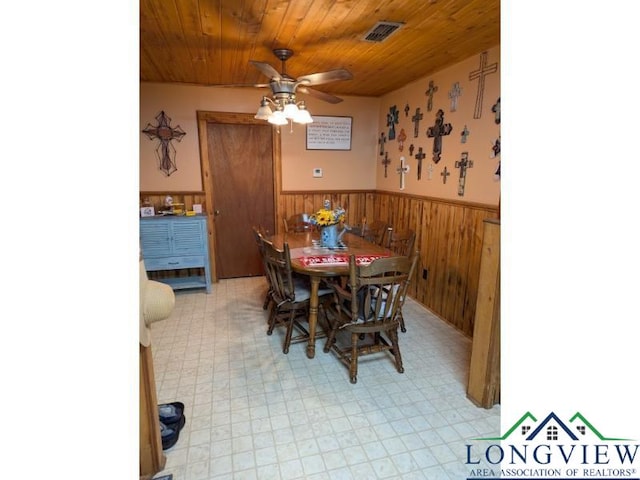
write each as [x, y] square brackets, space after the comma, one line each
[283, 86]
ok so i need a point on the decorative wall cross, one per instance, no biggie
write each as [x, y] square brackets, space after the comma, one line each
[464, 134]
[430, 171]
[381, 141]
[480, 74]
[386, 161]
[454, 93]
[463, 164]
[429, 93]
[402, 170]
[406, 110]
[496, 109]
[402, 136]
[416, 122]
[392, 121]
[495, 149]
[165, 152]
[411, 148]
[420, 156]
[437, 131]
[445, 173]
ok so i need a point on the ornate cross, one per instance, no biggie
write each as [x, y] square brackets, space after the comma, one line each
[420, 156]
[463, 164]
[464, 134]
[445, 173]
[495, 149]
[416, 121]
[437, 131]
[454, 93]
[496, 109]
[411, 148]
[429, 93]
[165, 152]
[386, 161]
[479, 74]
[381, 141]
[392, 121]
[402, 136]
[402, 170]
[406, 110]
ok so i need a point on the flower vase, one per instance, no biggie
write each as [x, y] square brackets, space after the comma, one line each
[329, 236]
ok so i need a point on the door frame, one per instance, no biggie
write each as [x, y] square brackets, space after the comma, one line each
[206, 117]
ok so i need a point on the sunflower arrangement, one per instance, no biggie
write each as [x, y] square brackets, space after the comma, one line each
[326, 216]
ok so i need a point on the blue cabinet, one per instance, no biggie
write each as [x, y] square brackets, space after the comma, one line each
[176, 243]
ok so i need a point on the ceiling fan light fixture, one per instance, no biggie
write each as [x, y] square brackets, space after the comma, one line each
[264, 112]
[278, 118]
[290, 108]
[303, 116]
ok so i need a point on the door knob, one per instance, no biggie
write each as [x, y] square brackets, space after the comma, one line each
[216, 212]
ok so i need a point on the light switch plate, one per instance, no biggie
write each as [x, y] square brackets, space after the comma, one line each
[317, 172]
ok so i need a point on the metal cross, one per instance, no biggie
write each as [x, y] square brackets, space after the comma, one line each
[402, 170]
[416, 121]
[495, 149]
[430, 171]
[445, 173]
[381, 141]
[392, 121]
[463, 164]
[429, 93]
[479, 74]
[165, 152]
[386, 161]
[406, 110]
[454, 93]
[464, 134]
[411, 148]
[437, 131]
[419, 157]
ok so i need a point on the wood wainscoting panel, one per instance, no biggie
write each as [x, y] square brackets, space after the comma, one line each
[449, 236]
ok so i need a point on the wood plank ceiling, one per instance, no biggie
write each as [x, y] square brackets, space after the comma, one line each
[210, 42]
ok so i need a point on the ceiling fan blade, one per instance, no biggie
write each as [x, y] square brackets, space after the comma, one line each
[267, 69]
[325, 77]
[320, 95]
[233, 85]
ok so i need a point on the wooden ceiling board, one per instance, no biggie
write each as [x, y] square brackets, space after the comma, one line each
[210, 42]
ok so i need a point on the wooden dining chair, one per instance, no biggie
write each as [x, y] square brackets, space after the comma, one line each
[258, 235]
[374, 232]
[290, 295]
[401, 242]
[366, 311]
[298, 222]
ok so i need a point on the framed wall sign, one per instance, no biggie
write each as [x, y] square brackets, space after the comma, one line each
[329, 133]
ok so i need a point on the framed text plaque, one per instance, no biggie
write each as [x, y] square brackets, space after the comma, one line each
[329, 133]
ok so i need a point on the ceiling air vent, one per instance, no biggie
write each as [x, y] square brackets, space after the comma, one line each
[381, 31]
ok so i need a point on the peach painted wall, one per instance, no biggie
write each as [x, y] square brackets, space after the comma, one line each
[361, 167]
[342, 170]
[482, 186]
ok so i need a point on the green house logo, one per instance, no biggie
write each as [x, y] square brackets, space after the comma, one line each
[528, 428]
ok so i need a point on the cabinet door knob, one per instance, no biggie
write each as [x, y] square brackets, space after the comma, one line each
[216, 212]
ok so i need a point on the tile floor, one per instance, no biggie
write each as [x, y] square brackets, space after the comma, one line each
[255, 413]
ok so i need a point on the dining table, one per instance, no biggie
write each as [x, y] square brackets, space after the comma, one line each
[309, 258]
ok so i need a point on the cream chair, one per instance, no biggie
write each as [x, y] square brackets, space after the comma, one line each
[156, 303]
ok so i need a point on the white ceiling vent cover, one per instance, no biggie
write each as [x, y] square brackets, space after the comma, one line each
[381, 31]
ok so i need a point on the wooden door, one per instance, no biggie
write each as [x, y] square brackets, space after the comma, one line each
[241, 166]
